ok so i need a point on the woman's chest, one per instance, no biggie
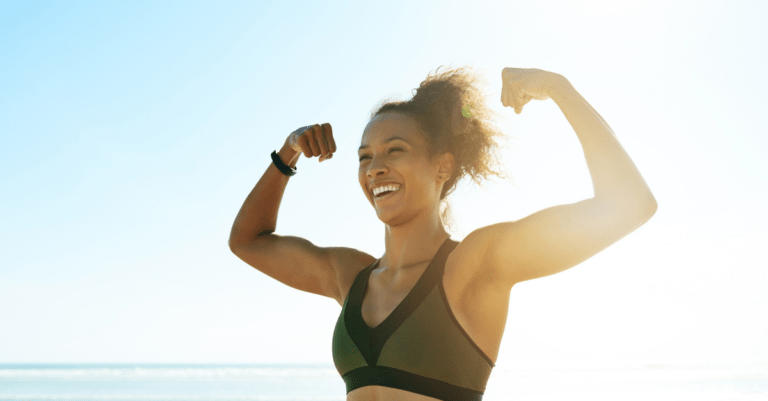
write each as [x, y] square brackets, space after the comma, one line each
[474, 309]
[478, 306]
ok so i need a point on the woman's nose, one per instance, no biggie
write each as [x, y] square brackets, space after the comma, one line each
[376, 167]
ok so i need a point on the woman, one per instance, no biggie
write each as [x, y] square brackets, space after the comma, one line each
[425, 320]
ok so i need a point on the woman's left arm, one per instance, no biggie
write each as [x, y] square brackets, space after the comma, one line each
[616, 181]
[560, 237]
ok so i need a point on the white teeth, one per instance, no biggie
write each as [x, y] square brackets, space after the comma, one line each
[378, 190]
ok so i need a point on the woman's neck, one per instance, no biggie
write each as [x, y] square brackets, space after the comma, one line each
[412, 242]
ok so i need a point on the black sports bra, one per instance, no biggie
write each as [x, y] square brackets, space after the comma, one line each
[420, 347]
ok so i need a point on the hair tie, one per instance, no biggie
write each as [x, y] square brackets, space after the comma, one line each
[466, 111]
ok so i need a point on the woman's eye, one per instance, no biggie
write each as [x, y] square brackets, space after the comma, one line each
[390, 151]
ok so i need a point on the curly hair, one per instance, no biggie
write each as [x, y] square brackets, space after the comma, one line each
[450, 109]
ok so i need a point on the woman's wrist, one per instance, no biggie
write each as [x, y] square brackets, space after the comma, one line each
[288, 155]
[560, 88]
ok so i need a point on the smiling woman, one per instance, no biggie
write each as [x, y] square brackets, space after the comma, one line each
[425, 320]
[451, 117]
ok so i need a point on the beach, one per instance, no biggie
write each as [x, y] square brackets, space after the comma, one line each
[531, 381]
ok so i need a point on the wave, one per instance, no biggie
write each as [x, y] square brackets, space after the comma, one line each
[167, 373]
[89, 397]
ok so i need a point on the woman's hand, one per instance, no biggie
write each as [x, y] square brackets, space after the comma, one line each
[520, 85]
[313, 140]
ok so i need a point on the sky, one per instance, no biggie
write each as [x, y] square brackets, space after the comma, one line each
[131, 133]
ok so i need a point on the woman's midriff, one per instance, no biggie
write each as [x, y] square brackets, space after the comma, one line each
[371, 393]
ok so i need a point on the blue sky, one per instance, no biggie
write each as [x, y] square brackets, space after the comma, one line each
[130, 134]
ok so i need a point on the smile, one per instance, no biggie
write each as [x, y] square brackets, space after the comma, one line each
[385, 195]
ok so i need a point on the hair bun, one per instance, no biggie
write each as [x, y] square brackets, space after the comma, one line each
[451, 110]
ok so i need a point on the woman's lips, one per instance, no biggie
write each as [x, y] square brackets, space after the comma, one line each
[387, 196]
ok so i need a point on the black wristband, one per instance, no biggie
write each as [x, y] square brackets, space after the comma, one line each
[290, 172]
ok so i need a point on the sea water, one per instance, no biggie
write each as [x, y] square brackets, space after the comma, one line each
[541, 381]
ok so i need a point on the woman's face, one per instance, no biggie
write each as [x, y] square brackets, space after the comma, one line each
[393, 152]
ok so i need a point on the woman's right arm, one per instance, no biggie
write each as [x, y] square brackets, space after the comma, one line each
[293, 261]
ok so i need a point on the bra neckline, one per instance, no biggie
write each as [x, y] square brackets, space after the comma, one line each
[424, 274]
[370, 341]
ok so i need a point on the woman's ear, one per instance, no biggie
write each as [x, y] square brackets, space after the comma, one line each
[447, 164]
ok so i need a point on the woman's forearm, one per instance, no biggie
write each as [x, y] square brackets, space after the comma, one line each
[258, 215]
[615, 179]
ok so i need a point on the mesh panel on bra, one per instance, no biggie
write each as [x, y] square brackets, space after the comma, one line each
[430, 344]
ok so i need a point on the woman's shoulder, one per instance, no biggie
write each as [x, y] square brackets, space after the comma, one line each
[348, 263]
[468, 260]
[472, 248]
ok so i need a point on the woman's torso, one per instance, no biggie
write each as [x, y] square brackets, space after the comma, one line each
[479, 304]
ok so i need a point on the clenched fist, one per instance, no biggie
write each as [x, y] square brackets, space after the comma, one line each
[520, 85]
[313, 140]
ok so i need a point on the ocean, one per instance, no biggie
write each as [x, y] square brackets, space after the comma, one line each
[541, 381]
